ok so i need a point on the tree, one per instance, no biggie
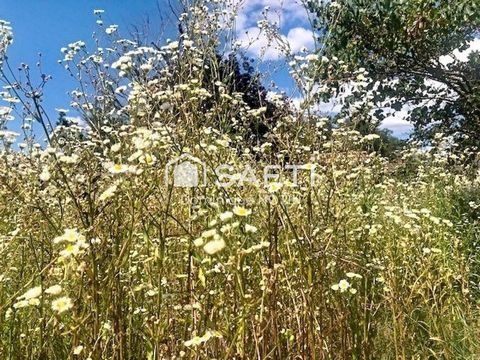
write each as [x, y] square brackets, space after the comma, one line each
[239, 76]
[400, 43]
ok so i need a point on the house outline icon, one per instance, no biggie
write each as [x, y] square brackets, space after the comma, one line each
[186, 172]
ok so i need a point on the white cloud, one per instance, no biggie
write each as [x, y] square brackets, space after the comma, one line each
[396, 121]
[399, 126]
[462, 56]
[282, 12]
[289, 16]
[299, 38]
[257, 43]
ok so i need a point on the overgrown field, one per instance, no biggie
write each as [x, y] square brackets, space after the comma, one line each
[350, 255]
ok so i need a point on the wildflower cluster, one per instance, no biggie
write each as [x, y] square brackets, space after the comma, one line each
[339, 258]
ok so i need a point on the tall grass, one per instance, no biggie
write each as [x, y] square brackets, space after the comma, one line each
[102, 258]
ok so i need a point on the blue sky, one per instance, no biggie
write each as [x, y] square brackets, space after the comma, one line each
[45, 26]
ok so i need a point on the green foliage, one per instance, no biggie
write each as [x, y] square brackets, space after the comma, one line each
[388, 145]
[104, 255]
[240, 77]
[403, 41]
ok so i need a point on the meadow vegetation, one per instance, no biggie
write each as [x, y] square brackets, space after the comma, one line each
[102, 257]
